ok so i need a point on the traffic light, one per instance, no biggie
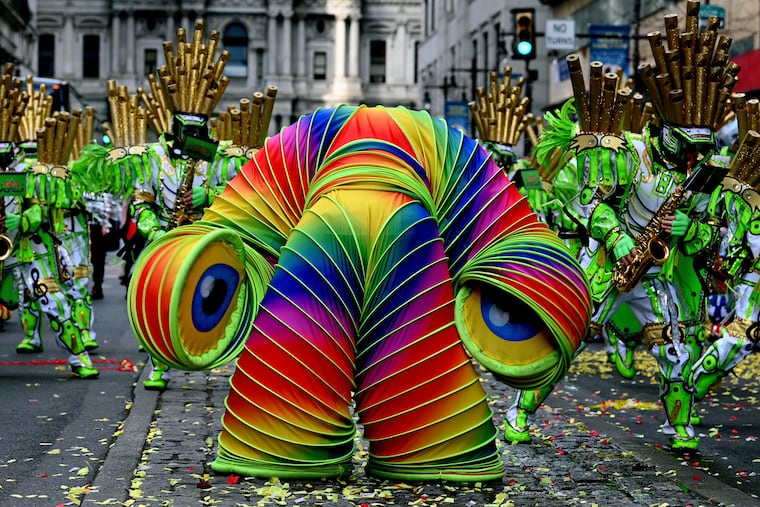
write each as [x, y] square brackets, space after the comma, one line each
[524, 41]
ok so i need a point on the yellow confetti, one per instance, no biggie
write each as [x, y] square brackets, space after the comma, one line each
[54, 451]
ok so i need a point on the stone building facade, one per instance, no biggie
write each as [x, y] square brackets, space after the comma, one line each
[463, 40]
[317, 52]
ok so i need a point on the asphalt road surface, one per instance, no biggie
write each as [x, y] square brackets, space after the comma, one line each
[56, 429]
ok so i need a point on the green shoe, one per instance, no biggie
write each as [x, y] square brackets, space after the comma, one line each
[691, 444]
[85, 372]
[91, 345]
[156, 381]
[28, 347]
[519, 432]
[155, 384]
[683, 439]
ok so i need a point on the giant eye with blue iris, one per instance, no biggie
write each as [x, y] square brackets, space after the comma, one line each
[509, 318]
[213, 295]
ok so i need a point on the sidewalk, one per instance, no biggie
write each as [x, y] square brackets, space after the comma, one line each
[162, 456]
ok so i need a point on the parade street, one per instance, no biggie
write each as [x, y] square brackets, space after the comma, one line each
[595, 442]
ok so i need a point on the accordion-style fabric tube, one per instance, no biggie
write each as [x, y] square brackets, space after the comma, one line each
[388, 251]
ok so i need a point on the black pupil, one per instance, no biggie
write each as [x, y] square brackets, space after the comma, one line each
[212, 302]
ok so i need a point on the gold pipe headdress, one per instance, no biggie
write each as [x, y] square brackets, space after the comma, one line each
[499, 114]
[84, 133]
[13, 101]
[607, 106]
[38, 108]
[248, 124]
[692, 79]
[128, 118]
[747, 114]
[57, 136]
[192, 81]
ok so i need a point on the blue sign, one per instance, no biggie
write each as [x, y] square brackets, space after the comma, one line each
[457, 114]
[563, 71]
[611, 51]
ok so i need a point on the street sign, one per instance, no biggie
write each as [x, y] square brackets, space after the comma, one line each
[560, 34]
[609, 44]
[705, 11]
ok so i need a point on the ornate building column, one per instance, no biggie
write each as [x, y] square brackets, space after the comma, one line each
[287, 50]
[67, 47]
[116, 43]
[301, 47]
[272, 56]
[340, 46]
[353, 46]
[131, 42]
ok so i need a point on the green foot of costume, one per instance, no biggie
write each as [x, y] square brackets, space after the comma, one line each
[159, 377]
[519, 431]
[677, 402]
[516, 426]
[27, 346]
[622, 355]
[31, 316]
[85, 369]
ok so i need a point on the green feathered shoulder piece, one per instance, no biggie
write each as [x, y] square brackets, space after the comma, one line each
[89, 171]
[560, 131]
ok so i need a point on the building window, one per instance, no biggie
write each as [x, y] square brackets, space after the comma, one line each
[235, 41]
[91, 56]
[377, 61]
[151, 61]
[320, 65]
[46, 55]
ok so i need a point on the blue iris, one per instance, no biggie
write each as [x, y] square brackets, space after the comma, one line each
[509, 318]
[212, 296]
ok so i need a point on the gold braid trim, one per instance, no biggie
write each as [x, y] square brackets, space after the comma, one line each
[738, 327]
[81, 272]
[654, 334]
[51, 284]
[143, 196]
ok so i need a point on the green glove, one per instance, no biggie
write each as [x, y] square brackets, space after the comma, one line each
[680, 224]
[199, 197]
[623, 247]
[537, 199]
[12, 221]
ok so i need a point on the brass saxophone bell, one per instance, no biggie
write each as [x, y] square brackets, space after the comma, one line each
[6, 247]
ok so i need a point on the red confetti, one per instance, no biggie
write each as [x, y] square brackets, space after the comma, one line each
[233, 479]
[697, 478]
[39, 476]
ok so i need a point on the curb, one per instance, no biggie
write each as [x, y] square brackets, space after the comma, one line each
[112, 480]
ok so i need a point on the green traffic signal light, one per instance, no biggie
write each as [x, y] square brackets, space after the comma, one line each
[524, 43]
[524, 48]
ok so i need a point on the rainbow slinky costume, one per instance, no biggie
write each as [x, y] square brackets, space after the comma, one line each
[352, 261]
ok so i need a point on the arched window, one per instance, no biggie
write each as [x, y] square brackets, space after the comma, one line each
[46, 55]
[235, 40]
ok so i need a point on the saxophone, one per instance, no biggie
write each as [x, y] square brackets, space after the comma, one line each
[6, 245]
[651, 245]
[181, 214]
